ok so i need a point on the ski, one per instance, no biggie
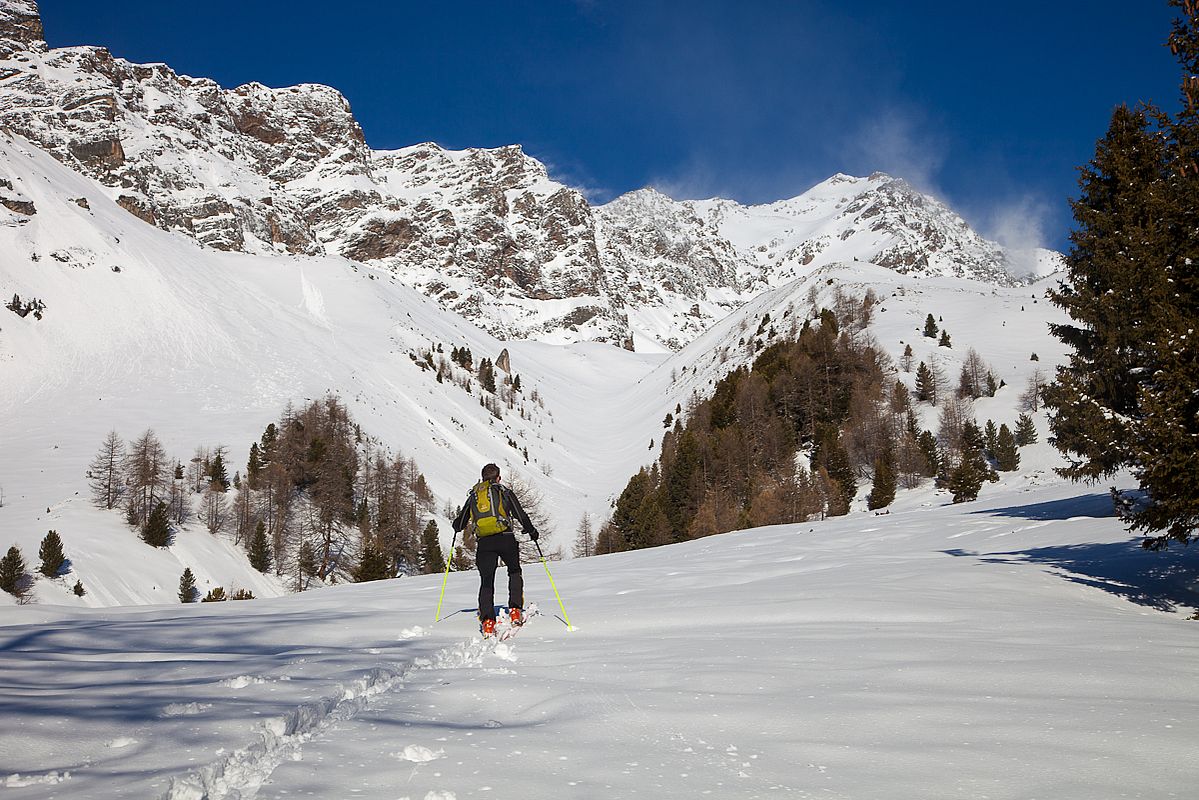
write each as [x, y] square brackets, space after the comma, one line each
[505, 628]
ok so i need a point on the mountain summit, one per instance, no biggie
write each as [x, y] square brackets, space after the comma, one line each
[485, 232]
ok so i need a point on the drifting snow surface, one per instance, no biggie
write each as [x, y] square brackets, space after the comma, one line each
[1016, 647]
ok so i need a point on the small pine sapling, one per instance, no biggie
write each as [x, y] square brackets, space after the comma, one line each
[930, 327]
[187, 586]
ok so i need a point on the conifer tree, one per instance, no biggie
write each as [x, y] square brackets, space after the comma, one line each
[925, 391]
[215, 595]
[991, 438]
[13, 577]
[972, 436]
[187, 586]
[373, 565]
[927, 443]
[908, 358]
[944, 340]
[833, 457]
[306, 563]
[1113, 277]
[930, 379]
[157, 530]
[966, 480]
[1026, 431]
[882, 491]
[432, 560]
[51, 555]
[1126, 397]
[486, 375]
[269, 438]
[217, 473]
[253, 467]
[260, 549]
[930, 327]
[79, 590]
[1165, 446]
[1007, 456]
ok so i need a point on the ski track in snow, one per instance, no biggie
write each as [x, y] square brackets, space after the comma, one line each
[240, 773]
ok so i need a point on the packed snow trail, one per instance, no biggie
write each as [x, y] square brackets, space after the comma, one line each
[282, 739]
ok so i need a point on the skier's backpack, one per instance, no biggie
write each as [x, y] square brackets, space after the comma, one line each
[487, 509]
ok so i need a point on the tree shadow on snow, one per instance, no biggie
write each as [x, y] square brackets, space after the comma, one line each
[1098, 504]
[1163, 580]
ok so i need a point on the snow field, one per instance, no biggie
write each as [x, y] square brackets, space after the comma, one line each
[995, 649]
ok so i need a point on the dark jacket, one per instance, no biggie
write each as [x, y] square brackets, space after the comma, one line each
[509, 502]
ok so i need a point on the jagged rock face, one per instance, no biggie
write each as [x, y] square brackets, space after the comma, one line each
[485, 232]
[488, 234]
[879, 219]
[671, 263]
[180, 152]
[20, 27]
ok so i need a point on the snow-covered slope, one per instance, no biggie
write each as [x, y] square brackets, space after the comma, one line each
[208, 347]
[145, 329]
[994, 649]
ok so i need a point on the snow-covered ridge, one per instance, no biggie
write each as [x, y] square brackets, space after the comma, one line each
[487, 233]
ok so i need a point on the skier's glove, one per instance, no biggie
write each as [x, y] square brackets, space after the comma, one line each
[534, 535]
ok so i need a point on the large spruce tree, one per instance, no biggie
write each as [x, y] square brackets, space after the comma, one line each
[1166, 437]
[1113, 286]
[1127, 399]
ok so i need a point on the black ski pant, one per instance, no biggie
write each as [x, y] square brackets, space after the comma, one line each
[490, 551]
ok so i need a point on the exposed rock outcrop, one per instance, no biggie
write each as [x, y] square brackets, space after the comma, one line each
[486, 232]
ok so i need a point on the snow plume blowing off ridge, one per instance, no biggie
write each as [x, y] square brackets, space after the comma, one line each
[1020, 227]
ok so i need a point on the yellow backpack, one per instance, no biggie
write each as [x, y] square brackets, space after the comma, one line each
[487, 510]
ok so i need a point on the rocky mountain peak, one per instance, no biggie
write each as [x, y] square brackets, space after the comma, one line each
[486, 232]
[20, 27]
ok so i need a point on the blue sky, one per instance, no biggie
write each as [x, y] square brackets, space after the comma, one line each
[990, 106]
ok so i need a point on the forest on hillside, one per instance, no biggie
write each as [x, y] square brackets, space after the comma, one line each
[820, 414]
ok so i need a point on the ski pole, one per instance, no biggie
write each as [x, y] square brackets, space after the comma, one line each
[565, 618]
[448, 561]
